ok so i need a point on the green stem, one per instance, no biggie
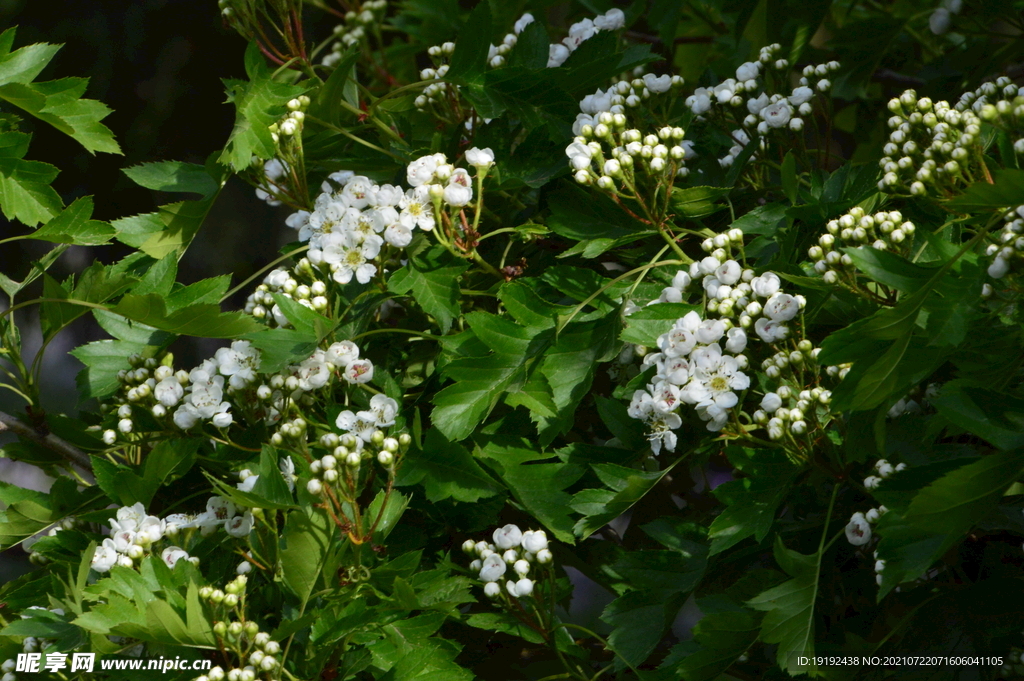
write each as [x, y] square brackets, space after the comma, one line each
[261, 271]
[611, 283]
[422, 334]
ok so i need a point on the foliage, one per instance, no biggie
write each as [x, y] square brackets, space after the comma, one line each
[700, 292]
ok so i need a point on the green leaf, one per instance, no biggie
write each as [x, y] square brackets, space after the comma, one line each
[24, 64]
[645, 325]
[504, 623]
[259, 103]
[601, 506]
[470, 57]
[1006, 191]
[539, 487]
[432, 276]
[307, 537]
[60, 103]
[762, 220]
[696, 202]
[639, 619]
[25, 191]
[73, 226]
[996, 417]
[206, 321]
[173, 176]
[723, 637]
[446, 470]
[789, 608]
[281, 347]
[127, 487]
[957, 500]
[890, 269]
[790, 184]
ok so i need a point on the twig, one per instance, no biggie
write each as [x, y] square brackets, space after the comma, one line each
[48, 440]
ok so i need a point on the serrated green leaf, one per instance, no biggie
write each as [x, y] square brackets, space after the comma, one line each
[25, 191]
[73, 226]
[432, 277]
[789, 608]
[446, 470]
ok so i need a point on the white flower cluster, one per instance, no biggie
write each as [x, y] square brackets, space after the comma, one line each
[433, 93]
[883, 231]
[693, 369]
[786, 410]
[939, 20]
[258, 653]
[626, 94]
[133, 534]
[1008, 251]
[765, 111]
[291, 123]
[658, 156]
[363, 433]
[884, 469]
[558, 53]
[353, 28]
[932, 146]
[511, 548]
[1000, 103]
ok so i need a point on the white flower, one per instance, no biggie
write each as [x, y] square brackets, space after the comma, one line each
[938, 22]
[801, 95]
[151, 529]
[172, 554]
[247, 484]
[641, 406]
[872, 481]
[872, 516]
[493, 568]
[524, 587]
[244, 568]
[459, 191]
[999, 268]
[522, 22]
[858, 530]
[777, 115]
[715, 376]
[168, 391]
[480, 158]
[771, 402]
[239, 526]
[736, 340]
[186, 416]
[349, 257]
[728, 272]
[313, 373]
[507, 537]
[700, 101]
[359, 371]
[756, 104]
[657, 84]
[361, 425]
[129, 518]
[241, 362]
[535, 541]
[710, 331]
[748, 71]
[661, 433]
[417, 209]
[557, 54]
[105, 556]
[207, 393]
[580, 31]
[682, 338]
[357, 192]
[341, 354]
[770, 330]
[221, 508]
[782, 307]
[766, 285]
[612, 20]
[287, 467]
[421, 171]
[383, 409]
